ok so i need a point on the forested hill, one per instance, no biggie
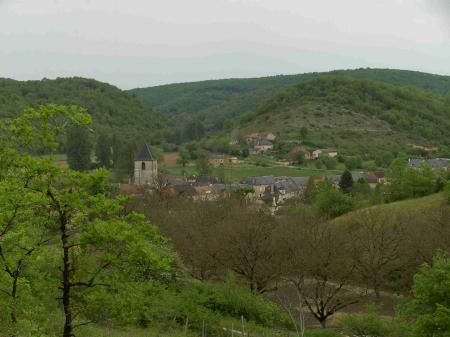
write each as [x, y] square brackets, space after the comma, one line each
[111, 108]
[355, 114]
[217, 102]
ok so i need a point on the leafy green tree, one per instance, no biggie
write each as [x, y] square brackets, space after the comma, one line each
[300, 158]
[406, 182]
[204, 168]
[115, 151]
[353, 162]
[384, 159]
[78, 147]
[126, 157]
[330, 201]
[103, 150]
[429, 310]
[330, 163]
[346, 182]
[303, 132]
[193, 130]
[100, 243]
[23, 231]
[183, 157]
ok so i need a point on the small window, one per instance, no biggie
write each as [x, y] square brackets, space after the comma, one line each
[143, 165]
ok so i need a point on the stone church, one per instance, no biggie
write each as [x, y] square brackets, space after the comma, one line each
[145, 167]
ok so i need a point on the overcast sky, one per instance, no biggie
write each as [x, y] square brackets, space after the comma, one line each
[137, 43]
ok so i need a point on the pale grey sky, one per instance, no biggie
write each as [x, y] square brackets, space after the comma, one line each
[136, 43]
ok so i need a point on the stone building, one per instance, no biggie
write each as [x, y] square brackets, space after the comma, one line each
[145, 167]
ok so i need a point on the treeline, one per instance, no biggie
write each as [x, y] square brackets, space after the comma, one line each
[111, 108]
[217, 102]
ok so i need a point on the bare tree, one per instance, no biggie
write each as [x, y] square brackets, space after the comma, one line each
[317, 265]
[249, 248]
[375, 242]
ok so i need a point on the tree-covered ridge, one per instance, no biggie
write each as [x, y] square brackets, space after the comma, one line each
[110, 107]
[417, 113]
[216, 101]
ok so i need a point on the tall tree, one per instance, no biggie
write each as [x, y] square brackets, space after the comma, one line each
[115, 150]
[98, 240]
[103, 150]
[79, 147]
[346, 181]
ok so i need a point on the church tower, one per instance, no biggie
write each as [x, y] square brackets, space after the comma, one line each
[145, 167]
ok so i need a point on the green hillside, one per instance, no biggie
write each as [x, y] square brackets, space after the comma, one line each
[217, 102]
[111, 108]
[355, 115]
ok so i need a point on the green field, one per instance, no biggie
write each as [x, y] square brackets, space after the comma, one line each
[238, 172]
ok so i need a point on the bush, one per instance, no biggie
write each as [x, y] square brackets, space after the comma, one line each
[447, 192]
[330, 201]
[231, 299]
[322, 333]
[367, 324]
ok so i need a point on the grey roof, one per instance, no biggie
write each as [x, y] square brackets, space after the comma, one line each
[220, 188]
[439, 163]
[264, 142]
[434, 163]
[145, 154]
[262, 180]
[416, 162]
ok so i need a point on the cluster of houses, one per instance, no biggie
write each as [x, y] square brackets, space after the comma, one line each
[263, 143]
[259, 189]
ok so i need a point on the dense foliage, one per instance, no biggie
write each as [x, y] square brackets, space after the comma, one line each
[216, 102]
[110, 108]
[417, 113]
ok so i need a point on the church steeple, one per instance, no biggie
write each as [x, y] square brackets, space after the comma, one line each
[145, 167]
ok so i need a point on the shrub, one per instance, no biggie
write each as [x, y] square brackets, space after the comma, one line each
[367, 324]
[231, 299]
[322, 333]
[447, 192]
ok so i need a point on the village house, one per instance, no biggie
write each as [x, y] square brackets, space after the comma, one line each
[222, 159]
[316, 154]
[296, 150]
[257, 136]
[372, 178]
[261, 146]
[286, 188]
[259, 184]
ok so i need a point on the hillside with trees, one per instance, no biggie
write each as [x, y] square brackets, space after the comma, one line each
[355, 115]
[111, 108]
[217, 102]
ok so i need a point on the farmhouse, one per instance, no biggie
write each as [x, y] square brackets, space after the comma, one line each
[261, 146]
[316, 154]
[257, 136]
[222, 159]
[286, 188]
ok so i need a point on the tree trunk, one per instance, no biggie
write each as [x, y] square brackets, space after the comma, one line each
[68, 329]
[13, 309]
[323, 322]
